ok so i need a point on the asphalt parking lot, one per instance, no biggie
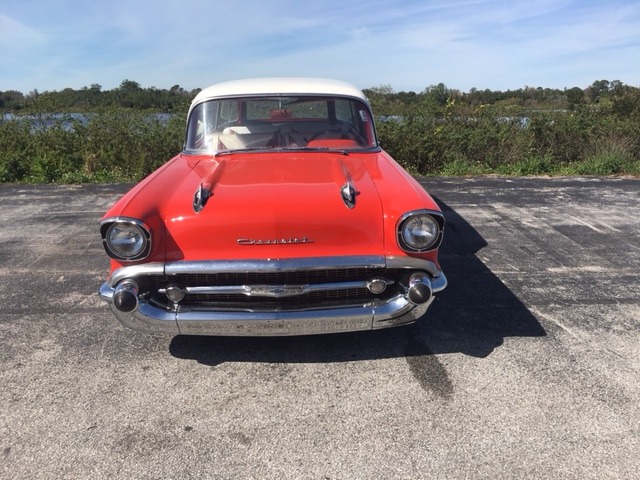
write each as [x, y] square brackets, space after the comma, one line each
[527, 366]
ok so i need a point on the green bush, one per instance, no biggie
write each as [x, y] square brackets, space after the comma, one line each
[112, 145]
[464, 141]
[16, 151]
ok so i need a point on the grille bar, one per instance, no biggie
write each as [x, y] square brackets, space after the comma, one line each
[335, 298]
[275, 291]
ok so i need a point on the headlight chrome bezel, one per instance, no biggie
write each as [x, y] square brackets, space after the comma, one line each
[139, 228]
[435, 217]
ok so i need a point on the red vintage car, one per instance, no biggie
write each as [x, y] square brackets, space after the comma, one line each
[282, 216]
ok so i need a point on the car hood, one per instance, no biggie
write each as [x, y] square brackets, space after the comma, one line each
[273, 205]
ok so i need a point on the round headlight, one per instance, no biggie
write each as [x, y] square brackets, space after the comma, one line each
[126, 241]
[419, 232]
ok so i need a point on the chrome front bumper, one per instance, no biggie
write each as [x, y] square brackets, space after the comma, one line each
[398, 310]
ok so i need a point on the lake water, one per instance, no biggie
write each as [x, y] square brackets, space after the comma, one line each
[67, 120]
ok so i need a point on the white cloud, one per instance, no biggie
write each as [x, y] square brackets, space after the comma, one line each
[408, 44]
[15, 36]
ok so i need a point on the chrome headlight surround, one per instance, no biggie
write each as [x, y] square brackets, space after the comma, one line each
[125, 239]
[420, 230]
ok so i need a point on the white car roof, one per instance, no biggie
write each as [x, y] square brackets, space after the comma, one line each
[278, 86]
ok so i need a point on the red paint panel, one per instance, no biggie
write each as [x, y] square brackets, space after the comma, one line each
[271, 197]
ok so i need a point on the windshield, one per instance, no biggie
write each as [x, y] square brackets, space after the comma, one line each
[261, 123]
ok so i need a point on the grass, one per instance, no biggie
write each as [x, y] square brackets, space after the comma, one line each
[604, 165]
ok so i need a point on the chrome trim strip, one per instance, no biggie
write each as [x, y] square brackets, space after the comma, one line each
[119, 219]
[413, 263]
[273, 265]
[132, 271]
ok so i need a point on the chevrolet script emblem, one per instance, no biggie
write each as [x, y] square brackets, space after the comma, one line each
[277, 291]
[275, 241]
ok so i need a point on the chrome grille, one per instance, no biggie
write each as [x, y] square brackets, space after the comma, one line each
[342, 297]
[312, 300]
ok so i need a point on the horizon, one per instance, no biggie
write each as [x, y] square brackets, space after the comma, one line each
[392, 91]
[465, 44]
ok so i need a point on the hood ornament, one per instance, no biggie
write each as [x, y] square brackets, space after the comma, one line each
[200, 198]
[349, 194]
[348, 191]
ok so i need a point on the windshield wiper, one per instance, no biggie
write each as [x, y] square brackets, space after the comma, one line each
[230, 151]
[317, 149]
[281, 149]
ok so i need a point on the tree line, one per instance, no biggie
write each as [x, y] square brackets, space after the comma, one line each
[611, 95]
[129, 94]
[624, 99]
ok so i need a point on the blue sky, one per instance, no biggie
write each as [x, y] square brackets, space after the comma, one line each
[409, 45]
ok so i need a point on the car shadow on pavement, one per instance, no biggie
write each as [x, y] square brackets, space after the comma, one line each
[473, 316]
[477, 311]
